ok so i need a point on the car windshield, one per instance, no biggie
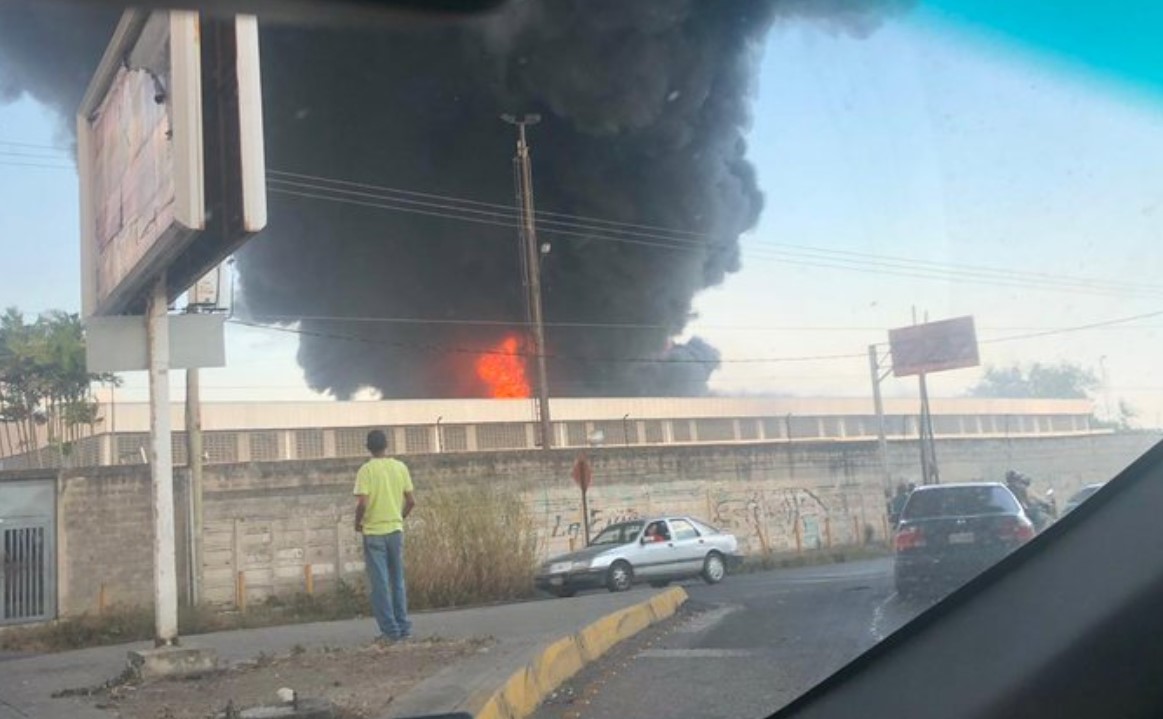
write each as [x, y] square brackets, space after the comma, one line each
[618, 534]
[960, 501]
[384, 313]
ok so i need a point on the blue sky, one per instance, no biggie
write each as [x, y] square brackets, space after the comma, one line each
[925, 141]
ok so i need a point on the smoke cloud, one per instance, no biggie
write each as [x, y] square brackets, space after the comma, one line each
[645, 108]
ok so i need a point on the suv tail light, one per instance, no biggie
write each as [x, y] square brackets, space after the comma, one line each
[909, 538]
[1016, 528]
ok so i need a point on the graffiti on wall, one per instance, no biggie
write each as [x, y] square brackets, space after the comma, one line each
[767, 520]
[599, 519]
[764, 518]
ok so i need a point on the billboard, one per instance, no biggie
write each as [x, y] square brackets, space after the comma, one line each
[140, 157]
[933, 347]
[156, 147]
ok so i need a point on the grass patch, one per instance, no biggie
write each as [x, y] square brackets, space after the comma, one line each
[469, 546]
[463, 547]
[811, 557]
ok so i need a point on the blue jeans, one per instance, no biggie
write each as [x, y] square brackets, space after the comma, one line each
[384, 557]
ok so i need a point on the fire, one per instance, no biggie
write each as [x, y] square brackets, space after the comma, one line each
[503, 370]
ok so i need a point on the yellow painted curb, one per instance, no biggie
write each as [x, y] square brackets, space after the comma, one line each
[524, 691]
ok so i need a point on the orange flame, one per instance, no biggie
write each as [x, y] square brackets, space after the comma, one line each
[503, 370]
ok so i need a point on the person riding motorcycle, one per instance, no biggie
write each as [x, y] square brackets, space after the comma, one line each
[1041, 513]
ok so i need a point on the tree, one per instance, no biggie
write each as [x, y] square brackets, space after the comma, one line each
[1060, 381]
[44, 384]
[1127, 414]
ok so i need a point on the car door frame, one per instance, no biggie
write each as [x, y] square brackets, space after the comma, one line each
[661, 556]
[692, 552]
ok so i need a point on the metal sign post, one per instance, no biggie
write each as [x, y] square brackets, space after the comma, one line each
[583, 476]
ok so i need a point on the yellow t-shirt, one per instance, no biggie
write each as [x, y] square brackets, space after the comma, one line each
[384, 481]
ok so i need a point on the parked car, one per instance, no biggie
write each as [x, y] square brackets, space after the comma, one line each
[658, 551]
[1080, 496]
[948, 533]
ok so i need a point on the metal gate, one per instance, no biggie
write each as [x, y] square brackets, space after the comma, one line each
[27, 551]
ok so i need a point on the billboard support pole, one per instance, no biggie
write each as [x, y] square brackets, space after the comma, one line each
[165, 579]
[929, 474]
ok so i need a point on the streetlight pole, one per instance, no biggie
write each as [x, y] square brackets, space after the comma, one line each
[532, 267]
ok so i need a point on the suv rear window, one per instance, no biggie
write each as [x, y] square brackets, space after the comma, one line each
[959, 501]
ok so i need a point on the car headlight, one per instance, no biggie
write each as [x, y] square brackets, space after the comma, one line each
[559, 567]
[582, 564]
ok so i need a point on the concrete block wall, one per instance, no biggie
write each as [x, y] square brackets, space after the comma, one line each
[104, 539]
[269, 524]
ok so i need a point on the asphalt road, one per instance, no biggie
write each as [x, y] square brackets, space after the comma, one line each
[743, 648]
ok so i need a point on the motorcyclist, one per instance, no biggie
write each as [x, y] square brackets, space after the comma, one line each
[1040, 512]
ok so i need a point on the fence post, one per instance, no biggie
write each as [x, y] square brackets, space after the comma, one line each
[239, 572]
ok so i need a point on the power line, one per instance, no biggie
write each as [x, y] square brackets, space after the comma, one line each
[1076, 328]
[489, 351]
[17, 163]
[647, 360]
[264, 318]
[696, 239]
[788, 255]
[35, 146]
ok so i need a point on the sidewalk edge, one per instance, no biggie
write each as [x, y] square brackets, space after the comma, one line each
[524, 691]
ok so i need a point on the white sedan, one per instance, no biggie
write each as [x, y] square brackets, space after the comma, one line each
[657, 551]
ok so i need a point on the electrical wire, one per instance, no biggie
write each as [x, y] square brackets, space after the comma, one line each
[490, 351]
[473, 322]
[685, 237]
[788, 255]
[45, 166]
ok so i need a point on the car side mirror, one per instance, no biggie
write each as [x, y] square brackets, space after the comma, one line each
[642, 539]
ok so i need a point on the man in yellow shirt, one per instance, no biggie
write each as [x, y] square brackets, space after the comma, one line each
[383, 489]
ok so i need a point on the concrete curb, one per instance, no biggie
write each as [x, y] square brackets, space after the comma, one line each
[524, 691]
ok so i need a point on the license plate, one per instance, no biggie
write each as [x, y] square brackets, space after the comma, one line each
[556, 581]
[962, 538]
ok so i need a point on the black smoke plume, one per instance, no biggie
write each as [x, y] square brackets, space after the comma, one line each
[645, 107]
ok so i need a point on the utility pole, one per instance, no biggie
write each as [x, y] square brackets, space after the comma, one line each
[203, 297]
[194, 466]
[532, 268]
[878, 406]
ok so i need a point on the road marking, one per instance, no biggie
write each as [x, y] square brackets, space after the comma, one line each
[876, 628]
[695, 653]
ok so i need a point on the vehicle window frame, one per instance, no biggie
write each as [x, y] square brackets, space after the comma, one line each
[623, 537]
[674, 532]
[704, 528]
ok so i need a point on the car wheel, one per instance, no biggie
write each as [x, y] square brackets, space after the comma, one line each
[564, 593]
[660, 583]
[620, 577]
[714, 569]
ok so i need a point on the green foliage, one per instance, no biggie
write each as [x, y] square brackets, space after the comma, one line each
[45, 389]
[1040, 381]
